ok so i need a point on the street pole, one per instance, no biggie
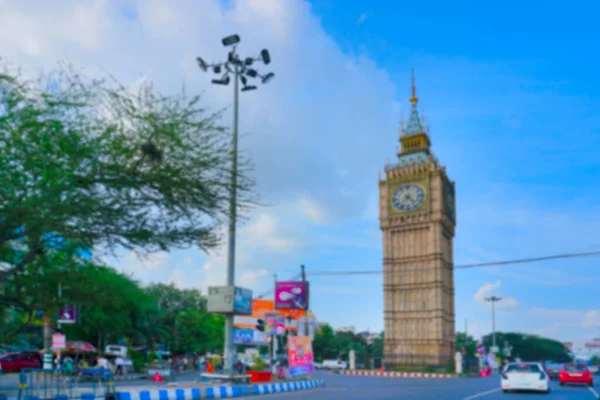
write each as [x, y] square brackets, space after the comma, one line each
[304, 321]
[229, 345]
[493, 300]
[274, 338]
[241, 69]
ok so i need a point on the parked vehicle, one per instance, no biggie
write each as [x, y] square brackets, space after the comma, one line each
[15, 362]
[334, 364]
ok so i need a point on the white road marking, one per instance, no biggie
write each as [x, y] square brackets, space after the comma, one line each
[482, 394]
[594, 392]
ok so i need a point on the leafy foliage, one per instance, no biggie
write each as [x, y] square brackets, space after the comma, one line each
[531, 347]
[113, 307]
[328, 344]
[466, 344]
[96, 164]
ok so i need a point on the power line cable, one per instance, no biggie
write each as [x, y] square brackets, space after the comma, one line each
[272, 290]
[465, 266]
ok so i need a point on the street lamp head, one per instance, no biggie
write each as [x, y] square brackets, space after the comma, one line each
[203, 66]
[251, 73]
[249, 61]
[248, 88]
[223, 81]
[217, 69]
[266, 57]
[268, 77]
[231, 40]
[243, 79]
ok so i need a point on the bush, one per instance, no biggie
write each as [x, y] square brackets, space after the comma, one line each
[259, 364]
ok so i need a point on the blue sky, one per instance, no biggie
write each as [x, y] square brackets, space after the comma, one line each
[511, 95]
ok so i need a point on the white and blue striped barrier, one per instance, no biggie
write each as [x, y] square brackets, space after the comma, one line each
[214, 392]
[220, 392]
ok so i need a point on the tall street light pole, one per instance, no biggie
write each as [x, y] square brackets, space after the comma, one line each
[241, 70]
[493, 300]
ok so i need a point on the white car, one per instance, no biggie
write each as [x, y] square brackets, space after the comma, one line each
[525, 376]
[334, 364]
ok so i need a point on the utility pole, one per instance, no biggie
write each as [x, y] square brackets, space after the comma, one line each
[304, 327]
[274, 338]
[493, 300]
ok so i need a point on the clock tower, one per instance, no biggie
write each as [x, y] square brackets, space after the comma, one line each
[417, 215]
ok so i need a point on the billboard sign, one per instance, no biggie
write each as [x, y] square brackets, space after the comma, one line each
[291, 295]
[229, 300]
[247, 336]
[67, 314]
[300, 355]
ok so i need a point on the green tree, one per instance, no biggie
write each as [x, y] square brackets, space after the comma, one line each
[530, 347]
[466, 344]
[92, 162]
[198, 331]
[324, 343]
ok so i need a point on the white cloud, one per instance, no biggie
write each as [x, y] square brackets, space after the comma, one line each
[363, 17]
[591, 319]
[135, 263]
[487, 290]
[313, 211]
[264, 231]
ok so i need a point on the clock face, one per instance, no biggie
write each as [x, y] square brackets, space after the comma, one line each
[408, 197]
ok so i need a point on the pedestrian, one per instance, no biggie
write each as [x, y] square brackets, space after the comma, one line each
[120, 363]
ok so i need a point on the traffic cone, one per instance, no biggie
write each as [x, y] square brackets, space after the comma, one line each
[157, 377]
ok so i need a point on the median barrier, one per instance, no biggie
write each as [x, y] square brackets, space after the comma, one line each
[391, 374]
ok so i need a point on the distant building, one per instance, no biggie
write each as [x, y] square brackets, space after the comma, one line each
[593, 346]
[370, 336]
[347, 329]
[568, 345]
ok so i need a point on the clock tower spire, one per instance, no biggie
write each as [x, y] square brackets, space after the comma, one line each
[414, 139]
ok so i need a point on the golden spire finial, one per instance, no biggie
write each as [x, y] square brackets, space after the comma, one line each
[413, 99]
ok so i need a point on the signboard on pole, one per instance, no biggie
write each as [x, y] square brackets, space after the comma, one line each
[247, 336]
[67, 314]
[229, 300]
[275, 324]
[59, 341]
[291, 295]
[300, 355]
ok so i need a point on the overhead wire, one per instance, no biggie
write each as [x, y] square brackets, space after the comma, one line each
[464, 266]
[298, 276]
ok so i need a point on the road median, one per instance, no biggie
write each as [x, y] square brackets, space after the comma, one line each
[392, 374]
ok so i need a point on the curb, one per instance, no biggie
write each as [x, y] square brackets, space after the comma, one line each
[219, 392]
[400, 374]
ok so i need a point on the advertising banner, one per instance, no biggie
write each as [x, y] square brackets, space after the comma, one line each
[229, 300]
[247, 336]
[275, 324]
[67, 314]
[59, 341]
[291, 295]
[260, 307]
[300, 355]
